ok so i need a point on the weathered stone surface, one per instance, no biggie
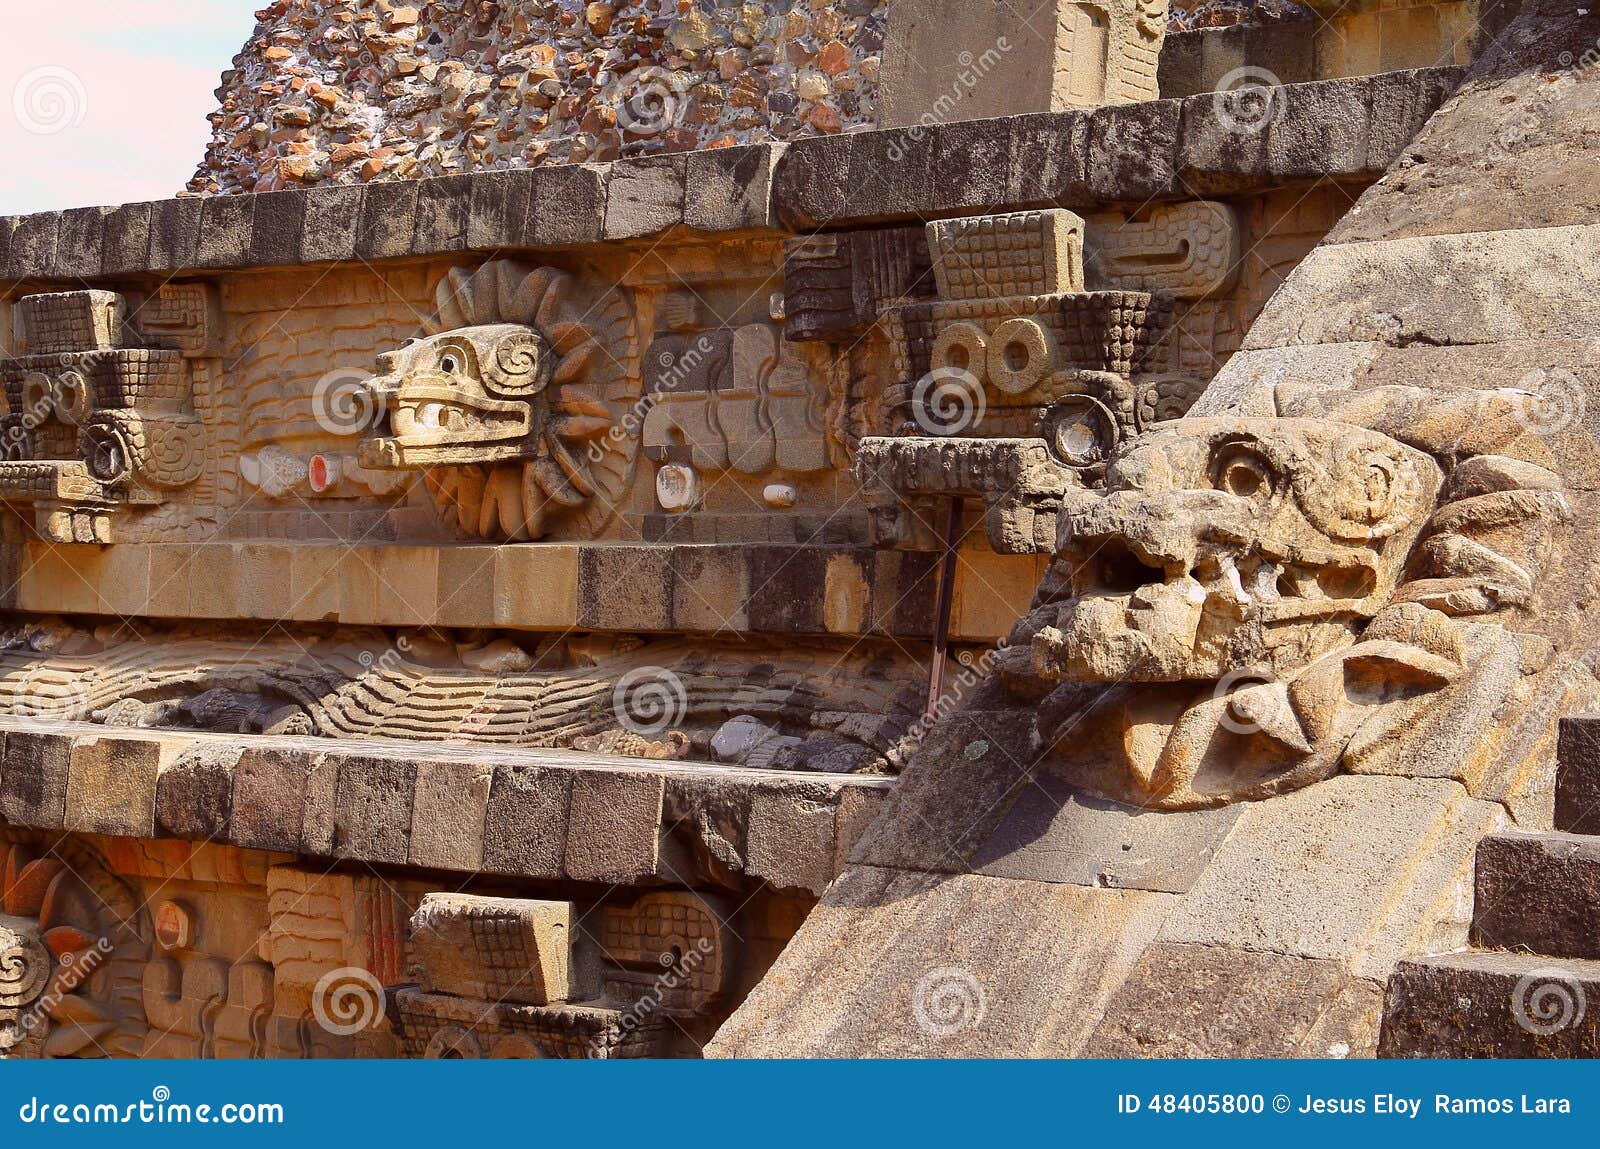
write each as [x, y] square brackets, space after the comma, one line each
[1051, 834]
[730, 188]
[1195, 62]
[332, 224]
[1216, 151]
[568, 205]
[1538, 893]
[444, 207]
[525, 830]
[127, 239]
[1133, 151]
[225, 231]
[1502, 158]
[174, 234]
[645, 197]
[278, 228]
[269, 799]
[448, 813]
[811, 186]
[80, 243]
[1047, 164]
[916, 965]
[194, 795]
[1578, 776]
[625, 587]
[499, 209]
[1401, 104]
[529, 963]
[971, 164]
[33, 780]
[111, 786]
[613, 827]
[33, 245]
[954, 794]
[1322, 131]
[791, 837]
[704, 824]
[1492, 1005]
[1221, 1001]
[372, 810]
[1466, 289]
[388, 221]
[1380, 858]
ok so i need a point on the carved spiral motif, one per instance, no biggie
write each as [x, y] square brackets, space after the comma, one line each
[521, 366]
[24, 969]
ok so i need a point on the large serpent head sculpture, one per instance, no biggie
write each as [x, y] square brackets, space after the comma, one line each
[520, 371]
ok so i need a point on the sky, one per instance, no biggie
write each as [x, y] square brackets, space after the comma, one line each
[105, 101]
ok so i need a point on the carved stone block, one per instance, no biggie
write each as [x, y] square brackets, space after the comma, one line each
[950, 60]
[494, 949]
[834, 285]
[71, 321]
[1190, 250]
[996, 256]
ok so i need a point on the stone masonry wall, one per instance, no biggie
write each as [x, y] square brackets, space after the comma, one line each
[346, 91]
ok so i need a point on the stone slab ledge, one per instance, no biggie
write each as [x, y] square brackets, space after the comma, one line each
[770, 589]
[541, 814]
[1130, 153]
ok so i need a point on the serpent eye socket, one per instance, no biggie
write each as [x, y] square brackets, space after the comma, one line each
[452, 363]
[1080, 432]
[1245, 474]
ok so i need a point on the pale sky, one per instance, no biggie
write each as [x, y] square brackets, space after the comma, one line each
[105, 101]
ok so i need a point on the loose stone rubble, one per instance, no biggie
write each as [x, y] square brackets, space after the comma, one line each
[346, 91]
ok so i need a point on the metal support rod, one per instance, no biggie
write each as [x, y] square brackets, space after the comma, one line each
[942, 606]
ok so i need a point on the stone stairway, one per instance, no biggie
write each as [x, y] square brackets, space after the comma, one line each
[1530, 984]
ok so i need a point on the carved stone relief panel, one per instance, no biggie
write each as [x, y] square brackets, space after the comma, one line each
[1254, 604]
[522, 370]
[102, 419]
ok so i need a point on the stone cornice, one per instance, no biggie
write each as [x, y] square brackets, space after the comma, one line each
[1129, 154]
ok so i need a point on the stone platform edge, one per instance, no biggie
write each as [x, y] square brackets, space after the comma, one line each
[1350, 128]
[552, 815]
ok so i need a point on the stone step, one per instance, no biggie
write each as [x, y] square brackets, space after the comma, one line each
[1538, 893]
[1491, 1005]
[1578, 775]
